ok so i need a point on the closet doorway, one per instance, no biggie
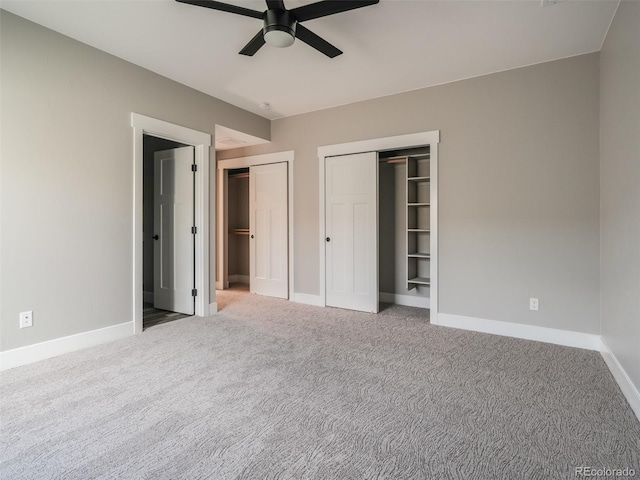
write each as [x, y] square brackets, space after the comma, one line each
[255, 209]
[378, 223]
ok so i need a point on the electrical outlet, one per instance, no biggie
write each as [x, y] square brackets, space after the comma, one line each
[26, 319]
[533, 304]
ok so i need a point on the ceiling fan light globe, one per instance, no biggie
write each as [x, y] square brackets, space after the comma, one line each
[279, 38]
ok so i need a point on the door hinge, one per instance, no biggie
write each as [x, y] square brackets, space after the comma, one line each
[194, 230]
[194, 292]
[194, 167]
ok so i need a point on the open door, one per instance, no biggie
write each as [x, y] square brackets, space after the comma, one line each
[173, 253]
[351, 226]
[268, 229]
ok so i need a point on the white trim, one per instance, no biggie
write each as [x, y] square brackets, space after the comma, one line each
[377, 145]
[244, 162]
[420, 139]
[147, 297]
[555, 336]
[308, 299]
[202, 142]
[239, 279]
[629, 390]
[59, 346]
[406, 300]
[213, 308]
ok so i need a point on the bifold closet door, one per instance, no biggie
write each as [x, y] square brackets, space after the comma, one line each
[173, 251]
[268, 239]
[351, 227]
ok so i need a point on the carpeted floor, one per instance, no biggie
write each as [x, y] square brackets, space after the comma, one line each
[273, 389]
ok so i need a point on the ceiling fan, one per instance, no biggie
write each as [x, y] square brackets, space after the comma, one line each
[281, 26]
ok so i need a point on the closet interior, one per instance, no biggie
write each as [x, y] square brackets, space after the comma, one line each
[404, 189]
[238, 262]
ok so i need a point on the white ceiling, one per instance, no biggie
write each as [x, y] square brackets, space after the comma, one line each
[395, 46]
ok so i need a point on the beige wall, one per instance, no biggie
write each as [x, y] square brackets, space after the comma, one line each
[620, 188]
[67, 176]
[519, 201]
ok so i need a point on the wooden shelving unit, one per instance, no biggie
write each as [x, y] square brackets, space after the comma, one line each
[418, 221]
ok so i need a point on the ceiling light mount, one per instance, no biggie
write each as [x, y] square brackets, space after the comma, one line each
[279, 28]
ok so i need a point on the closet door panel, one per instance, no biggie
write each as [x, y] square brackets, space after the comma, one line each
[268, 207]
[351, 226]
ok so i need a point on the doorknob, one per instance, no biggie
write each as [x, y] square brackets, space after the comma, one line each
[155, 237]
[251, 236]
[328, 239]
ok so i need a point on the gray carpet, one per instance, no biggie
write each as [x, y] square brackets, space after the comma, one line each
[272, 389]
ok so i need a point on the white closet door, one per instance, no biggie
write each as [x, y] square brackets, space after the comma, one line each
[268, 206]
[173, 218]
[352, 231]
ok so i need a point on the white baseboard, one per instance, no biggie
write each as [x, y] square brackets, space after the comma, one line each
[567, 338]
[406, 300]
[238, 278]
[147, 297]
[213, 308]
[53, 348]
[308, 299]
[624, 382]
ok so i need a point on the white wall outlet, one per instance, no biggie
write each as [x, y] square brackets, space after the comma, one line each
[26, 319]
[533, 304]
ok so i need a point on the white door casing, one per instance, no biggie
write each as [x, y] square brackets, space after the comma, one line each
[268, 240]
[351, 227]
[173, 219]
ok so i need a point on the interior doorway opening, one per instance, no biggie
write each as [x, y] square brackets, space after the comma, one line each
[163, 164]
[255, 228]
[199, 143]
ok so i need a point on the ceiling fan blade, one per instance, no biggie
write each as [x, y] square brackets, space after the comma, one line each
[254, 45]
[275, 4]
[328, 7]
[225, 7]
[313, 40]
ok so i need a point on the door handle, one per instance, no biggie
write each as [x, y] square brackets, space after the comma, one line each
[328, 239]
[155, 237]
[251, 236]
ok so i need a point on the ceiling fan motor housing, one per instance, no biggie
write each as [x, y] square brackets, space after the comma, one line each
[279, 27]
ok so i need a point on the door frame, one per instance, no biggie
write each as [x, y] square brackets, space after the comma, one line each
[223, 219]
[411, 140]
[143, 125]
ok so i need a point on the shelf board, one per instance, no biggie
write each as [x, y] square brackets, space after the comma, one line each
[419, 255]
[418, 204]
[239, 175]
[239, 231]
[419, 179]
[420, 281]
[418, 230]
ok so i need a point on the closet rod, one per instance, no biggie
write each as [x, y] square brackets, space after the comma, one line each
[239, 175]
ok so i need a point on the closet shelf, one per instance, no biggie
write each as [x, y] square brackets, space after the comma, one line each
[240, 231]
[239, 175]
[420, 281]
[418, 230]
[418, 255]
[418, 204]
[419, 179]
